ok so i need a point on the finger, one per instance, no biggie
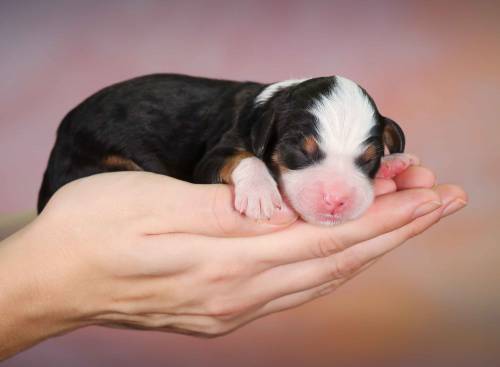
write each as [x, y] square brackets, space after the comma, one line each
[364, 252]
[454, 198]
[305, 241]
[383, 186]
[304, 275]
[304, 295]
[172, 205]
[415, 177]
[299, 298]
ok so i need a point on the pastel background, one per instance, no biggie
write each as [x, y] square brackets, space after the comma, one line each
[431, 65]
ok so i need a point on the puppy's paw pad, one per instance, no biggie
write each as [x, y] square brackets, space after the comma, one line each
[393, 164]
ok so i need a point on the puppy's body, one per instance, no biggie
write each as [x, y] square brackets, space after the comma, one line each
[321, 139]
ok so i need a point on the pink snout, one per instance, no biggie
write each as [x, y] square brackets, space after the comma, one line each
[329, 198]
[335, 200]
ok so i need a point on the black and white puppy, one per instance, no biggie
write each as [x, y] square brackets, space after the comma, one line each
[315, 143]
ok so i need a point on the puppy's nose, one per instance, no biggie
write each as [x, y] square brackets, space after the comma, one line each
[335, 204]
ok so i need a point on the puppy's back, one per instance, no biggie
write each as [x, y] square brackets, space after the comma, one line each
[161, 123]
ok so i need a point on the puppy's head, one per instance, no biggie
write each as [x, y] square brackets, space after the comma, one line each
[324, 139]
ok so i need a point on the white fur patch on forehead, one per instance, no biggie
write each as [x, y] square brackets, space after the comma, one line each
[270, 90]
[345, 118]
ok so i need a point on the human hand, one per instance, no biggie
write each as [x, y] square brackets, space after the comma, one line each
[147, 251]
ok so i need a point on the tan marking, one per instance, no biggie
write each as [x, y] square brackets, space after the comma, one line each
[310, 145]
[370, 153]
[276, 159]
[116, 161]
[231, 163]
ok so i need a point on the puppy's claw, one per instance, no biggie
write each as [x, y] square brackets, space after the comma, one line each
[277, 201]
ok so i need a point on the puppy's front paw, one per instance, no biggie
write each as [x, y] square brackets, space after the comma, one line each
[257, 200]
[256, 192]
[393, 164]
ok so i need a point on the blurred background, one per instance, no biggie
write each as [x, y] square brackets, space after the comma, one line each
[432, 66]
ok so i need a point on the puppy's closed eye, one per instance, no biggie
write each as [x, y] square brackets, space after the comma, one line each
[310, 145]
[296, 154]
[311, 148]
[369, 161]
[371, 152]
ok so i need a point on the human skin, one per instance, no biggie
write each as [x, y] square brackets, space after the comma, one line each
[140, 250]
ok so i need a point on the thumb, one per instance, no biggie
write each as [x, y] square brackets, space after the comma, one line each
[178, 206]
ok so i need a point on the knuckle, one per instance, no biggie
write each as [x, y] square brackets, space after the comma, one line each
[327, 289]
[327, 246]
[345, 265]
[334, 269]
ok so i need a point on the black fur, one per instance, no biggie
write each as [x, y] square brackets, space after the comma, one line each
[185, 127]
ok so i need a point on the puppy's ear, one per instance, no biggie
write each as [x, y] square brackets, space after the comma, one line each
[261, 132]
[393, 136]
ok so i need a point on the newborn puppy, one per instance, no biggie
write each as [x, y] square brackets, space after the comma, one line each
[315, 143]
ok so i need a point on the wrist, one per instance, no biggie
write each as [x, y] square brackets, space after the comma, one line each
[32, 293]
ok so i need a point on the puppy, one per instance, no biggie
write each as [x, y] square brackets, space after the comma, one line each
[316, 143]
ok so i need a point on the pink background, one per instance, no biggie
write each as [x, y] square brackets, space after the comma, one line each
[432, 66]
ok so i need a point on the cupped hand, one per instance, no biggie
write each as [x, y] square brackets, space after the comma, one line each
[140, 250]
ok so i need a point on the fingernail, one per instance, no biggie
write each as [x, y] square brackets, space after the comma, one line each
[453, 207]
[426, 208]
